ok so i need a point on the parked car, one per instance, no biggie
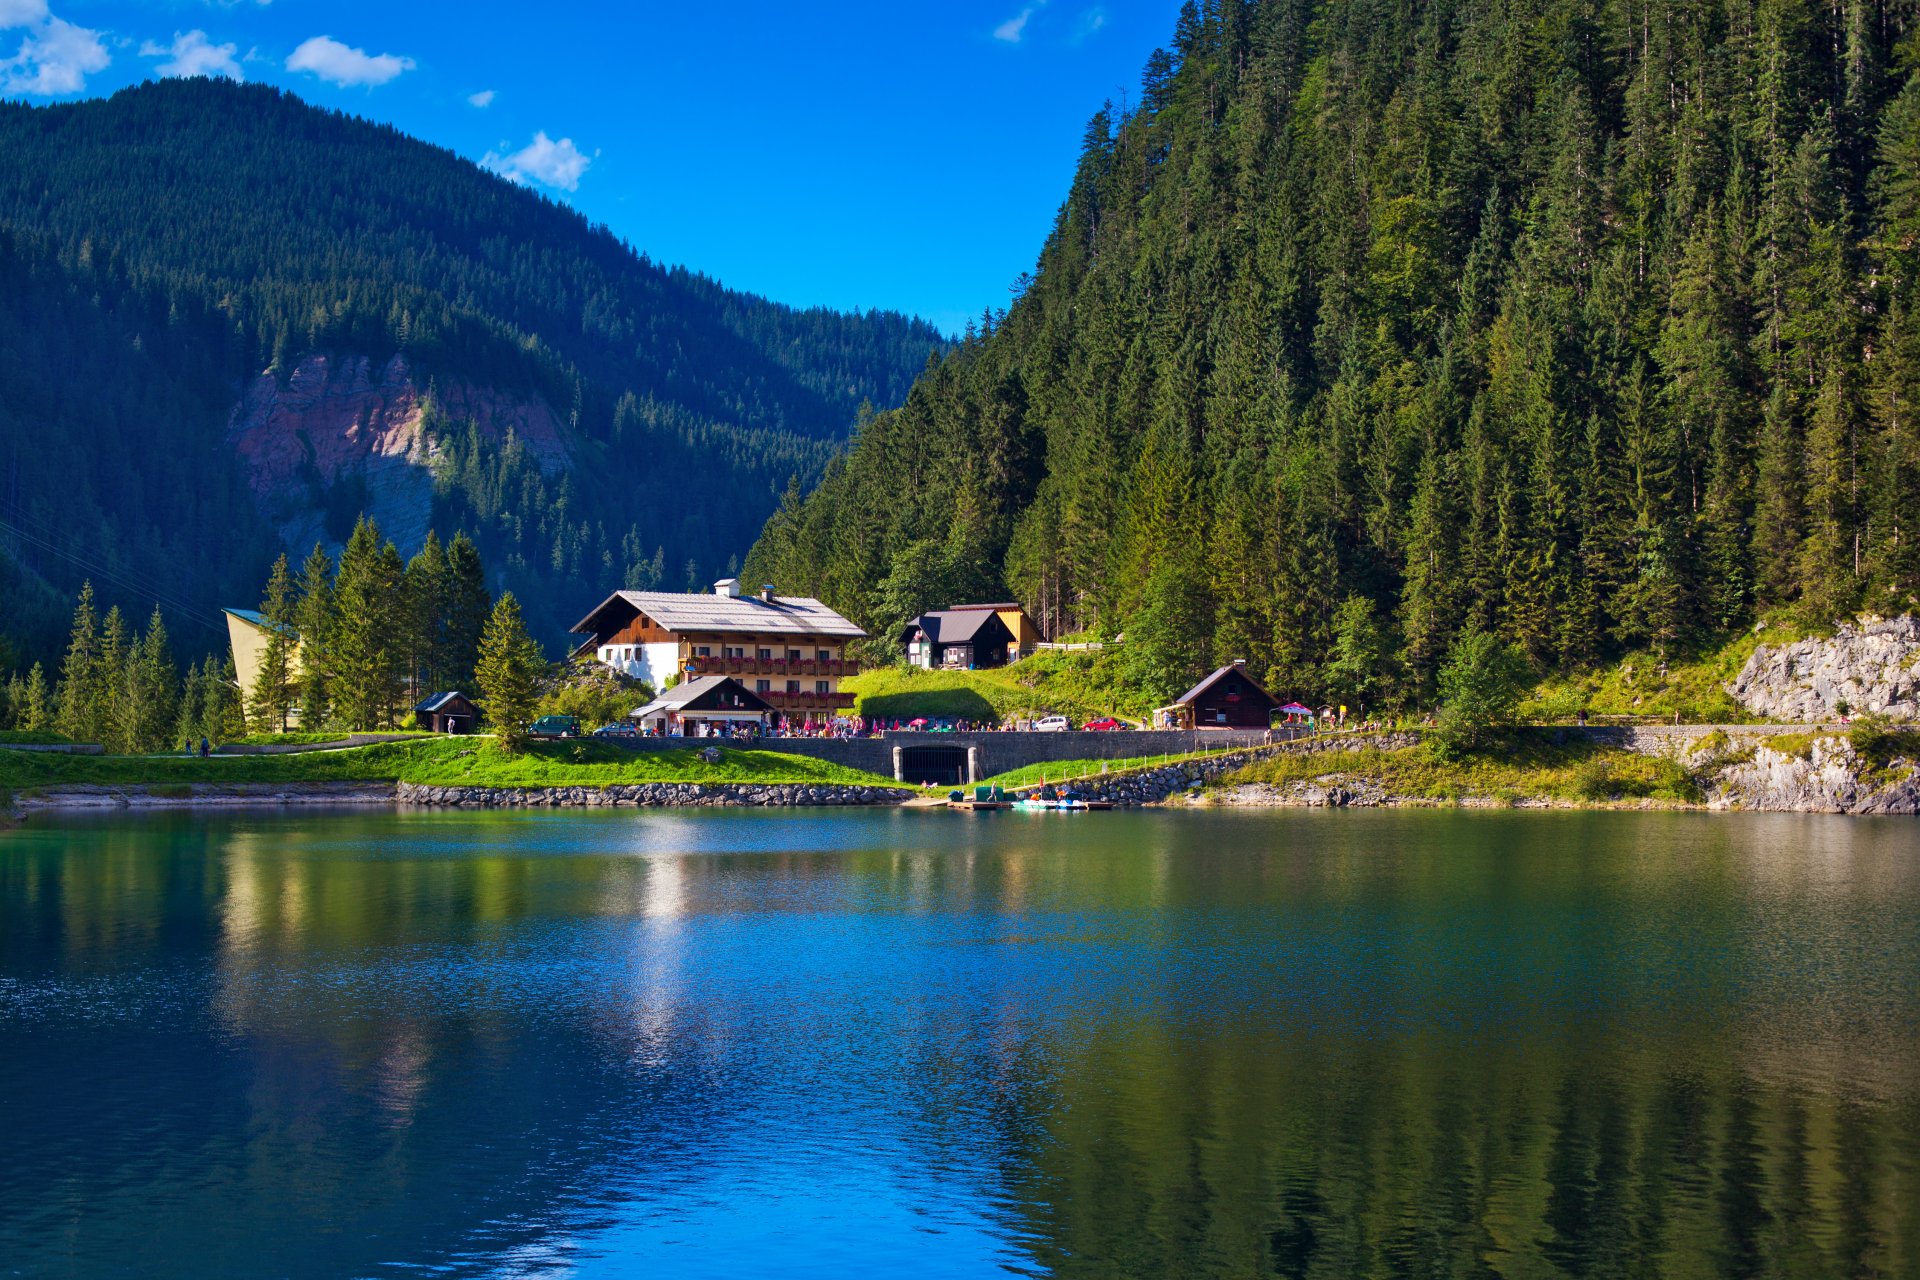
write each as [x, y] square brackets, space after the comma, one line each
[555, 727]
[616, 731]
[1107, 725]
[1052, 724]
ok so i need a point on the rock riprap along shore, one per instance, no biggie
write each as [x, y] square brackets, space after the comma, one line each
[651, 795]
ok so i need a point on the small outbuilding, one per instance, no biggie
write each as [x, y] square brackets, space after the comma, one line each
[969, 637]
[450, 712]
[1227, 699]
[708, 707]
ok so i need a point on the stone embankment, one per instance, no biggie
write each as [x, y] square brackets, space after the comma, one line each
[1158, 783]
[202, 795]
[1734, 771]
[1868, 666]
[652, 795]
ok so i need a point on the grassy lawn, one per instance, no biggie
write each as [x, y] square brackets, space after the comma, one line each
[440, 760]
[1526, 766]
[1074, 770]
[1084, 686]
[1691, 687]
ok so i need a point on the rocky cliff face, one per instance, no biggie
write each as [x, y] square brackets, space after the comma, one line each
[1828, 778]
[1869, 666]
[342, 420]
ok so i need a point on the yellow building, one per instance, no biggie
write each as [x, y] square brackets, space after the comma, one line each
[248, 632]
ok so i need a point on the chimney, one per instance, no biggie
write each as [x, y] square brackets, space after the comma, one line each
[728, 587]
[1239, 662]
[766, 592]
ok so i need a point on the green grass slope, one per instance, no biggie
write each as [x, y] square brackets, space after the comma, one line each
[1083, 686]
[1642, 686]
[440, 761]
[1525, 766]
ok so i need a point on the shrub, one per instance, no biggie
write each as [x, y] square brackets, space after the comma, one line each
[1878, 741]
[1593, 779]
[1480, 685]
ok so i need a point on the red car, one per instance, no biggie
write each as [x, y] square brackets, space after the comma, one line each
[1107, 724]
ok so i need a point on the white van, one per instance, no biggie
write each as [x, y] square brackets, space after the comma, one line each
[1051, 724]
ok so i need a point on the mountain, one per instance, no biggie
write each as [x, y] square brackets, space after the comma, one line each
[1588, 323]
[230, 321]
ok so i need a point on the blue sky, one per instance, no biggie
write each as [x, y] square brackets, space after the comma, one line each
[906, 155]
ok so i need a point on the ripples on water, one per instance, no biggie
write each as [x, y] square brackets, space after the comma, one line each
[790, 1044]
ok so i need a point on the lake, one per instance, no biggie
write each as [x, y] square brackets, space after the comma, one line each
[737, 1043]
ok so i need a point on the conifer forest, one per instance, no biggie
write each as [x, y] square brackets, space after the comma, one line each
[1587, 323]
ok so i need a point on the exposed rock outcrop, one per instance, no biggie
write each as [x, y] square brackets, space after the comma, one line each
[341, 419]
[1872, 665]
[1829, 778]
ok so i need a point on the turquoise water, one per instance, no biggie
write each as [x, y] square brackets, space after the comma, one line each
[926, 1044]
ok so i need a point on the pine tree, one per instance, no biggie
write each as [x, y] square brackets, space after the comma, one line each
[114, 667]
[425, 596]
[468, 603]
[82, 694]
[507, 672]
[38, 711]
[271, 698]
[314, 615]
[149, 701]
[363, 650]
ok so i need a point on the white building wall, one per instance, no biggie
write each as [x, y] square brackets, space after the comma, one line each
[650, 662]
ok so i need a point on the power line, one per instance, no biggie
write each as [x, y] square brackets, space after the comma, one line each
[185, 610]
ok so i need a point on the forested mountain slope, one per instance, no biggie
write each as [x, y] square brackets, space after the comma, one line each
[1586, 321]
[229, 319]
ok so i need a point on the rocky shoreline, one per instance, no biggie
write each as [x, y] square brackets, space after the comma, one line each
[649, 795]
[1827, 777]
[419, 795]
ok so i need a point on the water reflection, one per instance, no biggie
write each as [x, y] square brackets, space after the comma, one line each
[717, 1044]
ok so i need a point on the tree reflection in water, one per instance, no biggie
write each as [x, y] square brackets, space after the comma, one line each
[1161, 1044]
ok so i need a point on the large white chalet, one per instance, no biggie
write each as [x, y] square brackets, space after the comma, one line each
[790, 650]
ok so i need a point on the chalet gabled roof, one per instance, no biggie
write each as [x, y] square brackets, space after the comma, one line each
[783, 615]
[954, 626]
[1230, 669]
[688, 692]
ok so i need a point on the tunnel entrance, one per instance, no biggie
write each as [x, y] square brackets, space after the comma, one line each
[941, 766]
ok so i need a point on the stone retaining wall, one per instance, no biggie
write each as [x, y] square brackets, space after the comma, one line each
[203, 795]
[1150, 786]
[651, 795]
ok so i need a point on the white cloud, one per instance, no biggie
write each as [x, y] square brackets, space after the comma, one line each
[345, 66]
[22, 13]
[192, 54]
[1090, 21]
[484, 98]
[1011, 30]
[556, 164]
[54, 58]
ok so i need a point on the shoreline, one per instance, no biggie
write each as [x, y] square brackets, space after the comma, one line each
[1812, 773]
[95, 797]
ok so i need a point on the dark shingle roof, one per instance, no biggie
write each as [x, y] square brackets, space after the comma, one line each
[1210, 680]
[439, 700]
[954, 626]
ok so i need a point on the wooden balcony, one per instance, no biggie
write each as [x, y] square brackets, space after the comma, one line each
[773, 667]
[780, 700]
